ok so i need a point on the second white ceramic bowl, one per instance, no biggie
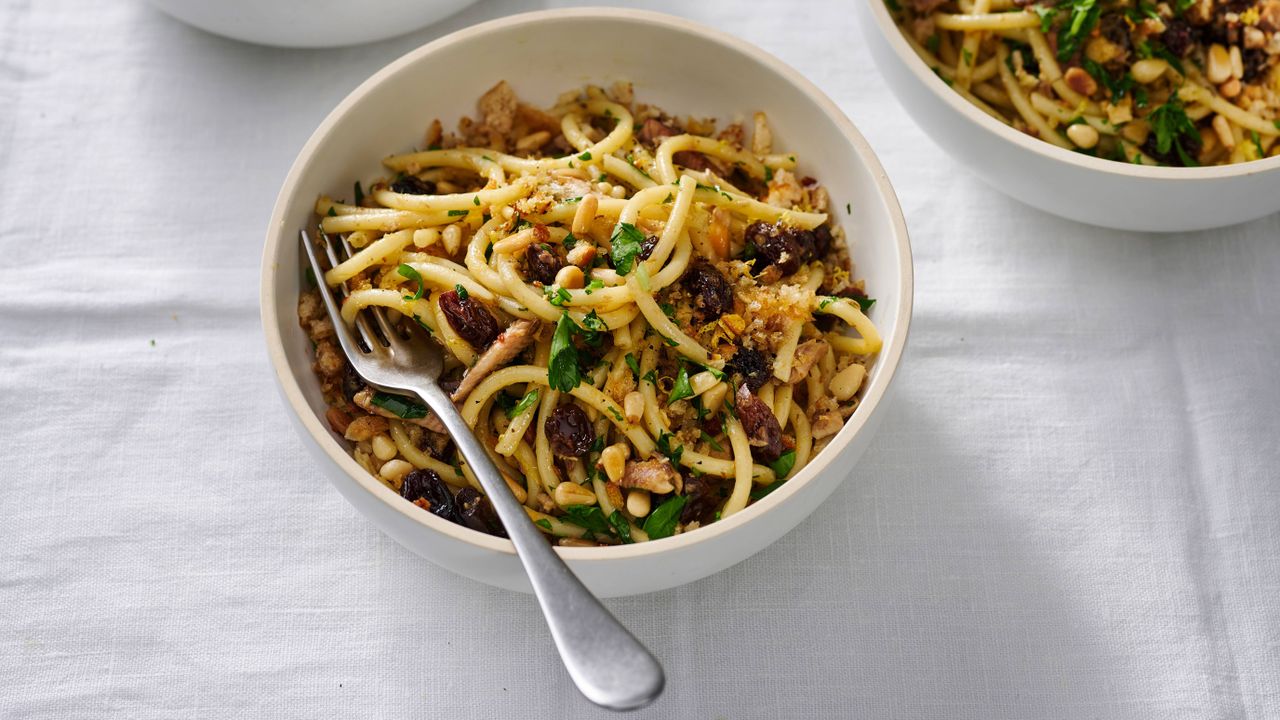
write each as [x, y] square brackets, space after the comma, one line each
[680, 66]
[1075, 186]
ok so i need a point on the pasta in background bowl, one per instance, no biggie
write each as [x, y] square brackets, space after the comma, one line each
[674, 65]
[1078, 108]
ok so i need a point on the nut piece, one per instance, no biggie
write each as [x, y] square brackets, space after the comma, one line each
[365, 428]
[655, 475]
[585, 213]
[1081, 81]
[633, 406]
[1230, 88]
[570, 277]
[1149, 70]
[638, 503]
[807, 353]
[383, 448]
[845, 384]
[1237, 62]
[614, 460]
[393, 471]
[1218, 68]
[425, 237]
[582, 254]
[1083, 135]
[571, 493]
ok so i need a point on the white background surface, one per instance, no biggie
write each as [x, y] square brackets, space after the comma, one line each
[1071, 511]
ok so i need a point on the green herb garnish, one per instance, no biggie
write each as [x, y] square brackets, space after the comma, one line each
[782, 466]
[633, 364]
[587, 516]
[585, 156]
[400, 406]
[408, 272]
[529, 400]
[681, 389]
[621, 527]
[711, 441]
[562, 369]
[625, 241]
[1172, 126]
[458, 213]
[662, 521]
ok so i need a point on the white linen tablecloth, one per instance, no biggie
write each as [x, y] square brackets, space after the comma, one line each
[1071, 510]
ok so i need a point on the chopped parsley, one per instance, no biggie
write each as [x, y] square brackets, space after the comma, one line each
[587, 516]
[1257, 143]
[621, 527]
[1172, 126]
[782, 466]
[400, 406]
[662, 521]
[594, 285]
[633, 364]
[664, 447]
[412, 274]
[562, 369]
[458, 213]
[591, 321]
[758, 493]
[681, 389]
[529, 400]
[475, 200]
[706, 438]
[585, 156]
[557, 296]
[625, 241]
[462, 292]
[543, 523]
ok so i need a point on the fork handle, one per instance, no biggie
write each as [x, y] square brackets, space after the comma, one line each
[607, 663]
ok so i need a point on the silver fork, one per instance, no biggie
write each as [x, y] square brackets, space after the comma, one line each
[609, 666]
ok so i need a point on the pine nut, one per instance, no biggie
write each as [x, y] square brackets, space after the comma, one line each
[1223, 129]
[425, 237]
[633, 406]
[1219, 66]
[638, 503]
[452, 239]
[585, 213]
[1083, 135]
[1149, 70]
[1081, 81]
[571, 493]
[1237, 62]
[582, 254]
[614, 461]
[383, 448]
[570, 277]
[393, 471]
[1230, 88]
[845, 384]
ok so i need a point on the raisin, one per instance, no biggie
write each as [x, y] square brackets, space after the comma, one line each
[352, 383]
[762, 428]
[646, 246]
[754, 367]
[569, 431]
[1177, 36]
[476, 512]
[712, 293]
[426, 485]
[1255, 63]
[413, 185]
[543, 263]
[822, 240]
[1190, 143]
[703, 498]
[780, 245]
[469, 319]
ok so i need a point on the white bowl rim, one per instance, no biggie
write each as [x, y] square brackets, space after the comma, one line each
[893, 34]
[887, 361]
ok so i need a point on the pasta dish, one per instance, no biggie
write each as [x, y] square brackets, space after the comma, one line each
[1169, 82]
[649, 323]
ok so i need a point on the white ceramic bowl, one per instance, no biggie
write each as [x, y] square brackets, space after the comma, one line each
[310, 23]
[682, 67]
[1075, 186]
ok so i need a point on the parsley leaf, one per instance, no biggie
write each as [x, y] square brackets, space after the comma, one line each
[681, 389]
[585, 156]
[457, 213]
[594, 285]
[591, 321]
[462, 292]
[557, 296]
[543, 523]
[782, 466]
[662, 521]
[633, 364]
[1171, 126]
[400, 406]
[529, 400]
[664, 447]
[625, 241]
[587, 516]
[562, 370]
[620, 526]
[711, 441]
[408, 272]
[758, 493]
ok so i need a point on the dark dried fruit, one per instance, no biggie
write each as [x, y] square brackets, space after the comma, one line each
[647, 245]
[1177, 36]
[1115, 28]
[712, 293]
[762, 428]
[543, 263]
[822, 240]
[352, 383]
[1190, 144]
[655, 131]
[413, 185]
[476, 512]
[426, 485]
[705, 493]
[780, 245]
[569, 431]
[754, 367]
[469, 319]
[1255, 62]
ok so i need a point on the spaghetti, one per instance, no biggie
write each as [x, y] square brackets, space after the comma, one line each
[649, 324]
[1182, 82]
